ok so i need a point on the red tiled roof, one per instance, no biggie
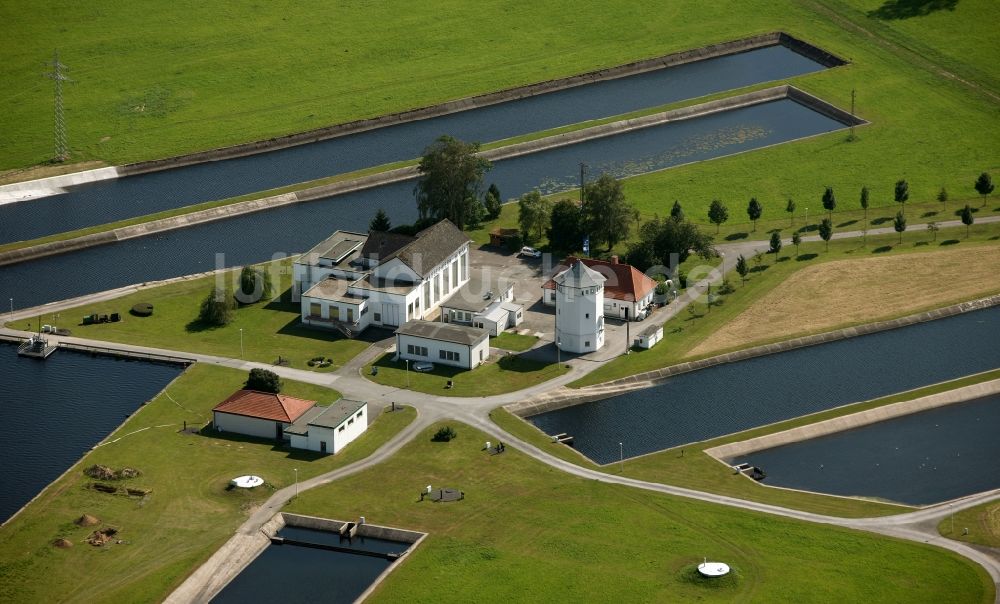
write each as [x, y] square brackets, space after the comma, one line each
[624, 281]
[264, 405]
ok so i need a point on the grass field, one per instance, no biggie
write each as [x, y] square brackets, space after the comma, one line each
[513, 341]
[697, 470]
[497, 376]
[823, 296]
[270, 329]
[528, 532]
[688, 330]
[189, 512]
[982, 522]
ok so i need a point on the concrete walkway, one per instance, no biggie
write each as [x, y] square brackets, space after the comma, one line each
[917, 526]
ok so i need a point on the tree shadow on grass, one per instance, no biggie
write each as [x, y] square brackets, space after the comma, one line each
[882, 249]
[921, 243]
[805, 257]
[784, 259]
[198, 326]
[760, 268]
[928, 214]
[881, 220]
[906, 9]
[735, 236]
[950, 242]
[514, 362]
[848, 223]
[808, 228]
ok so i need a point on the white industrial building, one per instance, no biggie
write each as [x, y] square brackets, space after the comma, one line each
[352, 280]
[329, 429]
[579, 300]
[444, 343]
[628, 292]
[484, 302]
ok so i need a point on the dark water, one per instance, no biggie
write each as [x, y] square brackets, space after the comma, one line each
[736, 396]
[107, 201]
[296, 228]
[56, 410]
[290, 573]
[918, 459]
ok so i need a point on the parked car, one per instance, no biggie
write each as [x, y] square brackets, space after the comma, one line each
[530, 251]
[423, 366]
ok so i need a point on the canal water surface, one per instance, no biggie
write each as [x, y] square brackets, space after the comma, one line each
[737, 396]
[296, 228]
[107, 201]
[292, 573]
[57, 409]
[918, 459]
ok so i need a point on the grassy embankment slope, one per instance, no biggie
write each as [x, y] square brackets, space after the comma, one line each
[189, 512]
[528, 532]
[270, 329]
[982, 523]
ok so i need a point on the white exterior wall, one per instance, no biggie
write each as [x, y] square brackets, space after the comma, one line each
[493, 327]
[362, 318]
[335, 438]
[580, 318]
[469, 357]
[648, 341]
[241, 424]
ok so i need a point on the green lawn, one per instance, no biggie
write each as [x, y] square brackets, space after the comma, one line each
[982, 522]
[527, 532]
[270, 329]
[691, 327]
[189, 513]
[513, 341]
[499, 375]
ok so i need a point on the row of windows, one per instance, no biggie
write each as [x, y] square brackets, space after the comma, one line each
[450, 356]
[417, 350]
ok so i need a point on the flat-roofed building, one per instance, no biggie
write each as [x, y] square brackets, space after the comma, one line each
[329, 429]
[444, 343]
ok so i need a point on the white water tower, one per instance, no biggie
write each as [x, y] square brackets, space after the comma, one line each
[579, 309]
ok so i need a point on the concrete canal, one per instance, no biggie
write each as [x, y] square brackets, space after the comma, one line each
[59, 408]
[110, 200]
[917, 459]
[294, 228]
[732, 397]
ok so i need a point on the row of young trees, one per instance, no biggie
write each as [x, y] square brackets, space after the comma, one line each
[718, 213]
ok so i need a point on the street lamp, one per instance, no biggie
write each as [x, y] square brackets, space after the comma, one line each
[723, 256]
[296, 470]
[558, 351]
[407, 361]
[241, 342]
[621, 456]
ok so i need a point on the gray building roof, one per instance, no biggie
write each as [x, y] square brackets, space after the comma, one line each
[325, 417]
[340, 248]
[470, 296]
[444, 332]
[433, 246]
[579, 276]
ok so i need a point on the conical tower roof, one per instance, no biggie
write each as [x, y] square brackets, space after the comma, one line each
[579, 276]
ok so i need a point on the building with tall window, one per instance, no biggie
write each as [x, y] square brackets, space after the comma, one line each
[579, 300]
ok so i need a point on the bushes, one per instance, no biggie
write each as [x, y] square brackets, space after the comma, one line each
[444, 435]
[263, 381]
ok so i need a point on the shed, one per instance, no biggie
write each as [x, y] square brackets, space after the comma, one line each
[329, 429]
[649, 336]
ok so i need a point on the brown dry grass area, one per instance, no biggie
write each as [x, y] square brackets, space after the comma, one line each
[46, 170]
[845, 292]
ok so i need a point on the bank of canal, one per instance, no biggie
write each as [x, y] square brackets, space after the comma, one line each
[58, 409]
[116, 199]
[919, 459]
[737, 396]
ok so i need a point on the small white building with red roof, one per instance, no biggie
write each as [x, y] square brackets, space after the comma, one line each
[261, 414]
[626, 288]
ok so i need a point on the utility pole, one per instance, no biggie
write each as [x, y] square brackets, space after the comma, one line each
[583, 167]
[57, 75]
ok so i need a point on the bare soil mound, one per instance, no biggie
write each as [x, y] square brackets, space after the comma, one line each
[87, 520]
[62, 543]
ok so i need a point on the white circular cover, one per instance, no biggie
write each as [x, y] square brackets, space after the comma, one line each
[247, 482]
[713, 569]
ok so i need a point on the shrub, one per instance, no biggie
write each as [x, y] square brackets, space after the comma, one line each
[662, 289]
[142, 309]
[217, 308]
[444, 435]
[263, 380]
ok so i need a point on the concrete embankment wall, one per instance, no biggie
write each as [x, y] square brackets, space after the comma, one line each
[678, 58]
[854, 420]
[334, 526]
[406, 173]
[51, 185]
[568, 397]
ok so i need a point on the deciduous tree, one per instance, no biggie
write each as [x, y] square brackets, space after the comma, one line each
[217, 308]
[534, 215]
[660, 240]
[829, 202]
[933, 228]
[718, 213]
[826, 231]
[967, 219]
[984, 185]
[263, 381]
[451, 175]
[902, 193]
[564, 232]
[607, 215]
[790, 208]
[677, 212]
[742, 269]
[493, 202]
[942, 196]
[796, 241]
[775, 244]
[754, 210]
[899, 223]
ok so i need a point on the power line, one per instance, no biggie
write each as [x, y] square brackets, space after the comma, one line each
[57, 75]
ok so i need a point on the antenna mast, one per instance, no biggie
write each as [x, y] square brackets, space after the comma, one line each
[57, 75]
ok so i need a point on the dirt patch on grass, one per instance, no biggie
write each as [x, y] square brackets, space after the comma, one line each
[844, 292]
